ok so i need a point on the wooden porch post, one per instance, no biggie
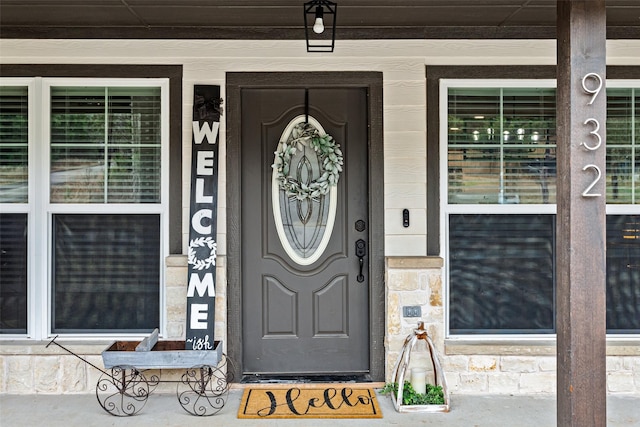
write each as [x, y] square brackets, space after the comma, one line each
[581, 243]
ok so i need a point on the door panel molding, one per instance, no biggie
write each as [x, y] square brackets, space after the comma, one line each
[372, 82]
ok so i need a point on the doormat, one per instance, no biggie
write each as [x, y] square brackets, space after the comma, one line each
[309, 402]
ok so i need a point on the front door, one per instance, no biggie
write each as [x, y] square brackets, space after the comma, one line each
[304, 260]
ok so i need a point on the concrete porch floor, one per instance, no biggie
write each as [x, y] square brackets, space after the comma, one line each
[72, 410]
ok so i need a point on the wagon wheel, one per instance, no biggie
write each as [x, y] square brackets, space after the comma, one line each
[202, 390]
[123, 391]
[153, 378]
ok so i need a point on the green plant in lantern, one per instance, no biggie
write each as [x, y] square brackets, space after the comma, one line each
[433, 396]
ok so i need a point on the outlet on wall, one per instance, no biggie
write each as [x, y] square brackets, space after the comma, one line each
[411, 311]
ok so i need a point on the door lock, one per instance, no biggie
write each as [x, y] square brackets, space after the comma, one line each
[361, 252]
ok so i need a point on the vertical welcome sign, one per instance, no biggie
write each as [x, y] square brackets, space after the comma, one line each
[203, 218]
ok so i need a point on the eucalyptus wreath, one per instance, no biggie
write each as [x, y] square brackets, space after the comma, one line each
[307, 135]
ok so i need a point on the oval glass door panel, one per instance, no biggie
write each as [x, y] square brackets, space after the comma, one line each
[304, 224]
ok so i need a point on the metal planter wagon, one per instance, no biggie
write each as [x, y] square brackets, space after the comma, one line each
[133, 369]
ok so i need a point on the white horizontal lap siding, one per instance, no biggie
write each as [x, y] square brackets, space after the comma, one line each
[132, 51]
[348, 52]
[623, 52]
[405, 160]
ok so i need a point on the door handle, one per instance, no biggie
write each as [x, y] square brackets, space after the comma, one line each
[361, 252]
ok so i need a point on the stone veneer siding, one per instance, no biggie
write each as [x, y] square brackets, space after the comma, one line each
[470, 367]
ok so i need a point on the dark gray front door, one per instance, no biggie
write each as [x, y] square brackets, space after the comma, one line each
[305, 293]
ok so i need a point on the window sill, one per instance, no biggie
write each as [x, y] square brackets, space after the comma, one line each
[522, 346]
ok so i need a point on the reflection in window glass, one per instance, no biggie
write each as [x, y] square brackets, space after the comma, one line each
[501, 145]
[14, 139]
[623, 146]
[105, 145]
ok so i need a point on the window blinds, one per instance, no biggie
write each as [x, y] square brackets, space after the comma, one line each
[105, 145]
[14, 138]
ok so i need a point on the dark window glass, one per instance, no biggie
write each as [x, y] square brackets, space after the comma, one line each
[502, 280]
[501, 273]
[623, 274]
[13, 273]
[106, 273]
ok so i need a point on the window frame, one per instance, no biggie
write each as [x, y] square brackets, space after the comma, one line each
[40, 210]
[446, 209]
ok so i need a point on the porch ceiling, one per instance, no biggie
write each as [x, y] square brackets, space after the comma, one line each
[282, 19]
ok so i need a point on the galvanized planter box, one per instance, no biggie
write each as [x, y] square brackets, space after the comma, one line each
[124, 390]
[153, 354]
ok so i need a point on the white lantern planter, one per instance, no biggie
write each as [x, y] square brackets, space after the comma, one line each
[400, 370]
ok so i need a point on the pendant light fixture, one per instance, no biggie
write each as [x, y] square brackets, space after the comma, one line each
[320, 25]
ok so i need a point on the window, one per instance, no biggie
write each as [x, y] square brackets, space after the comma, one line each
[14, 148]
[498, 150]
[105, 144]
[84, 198]
[501, 145]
